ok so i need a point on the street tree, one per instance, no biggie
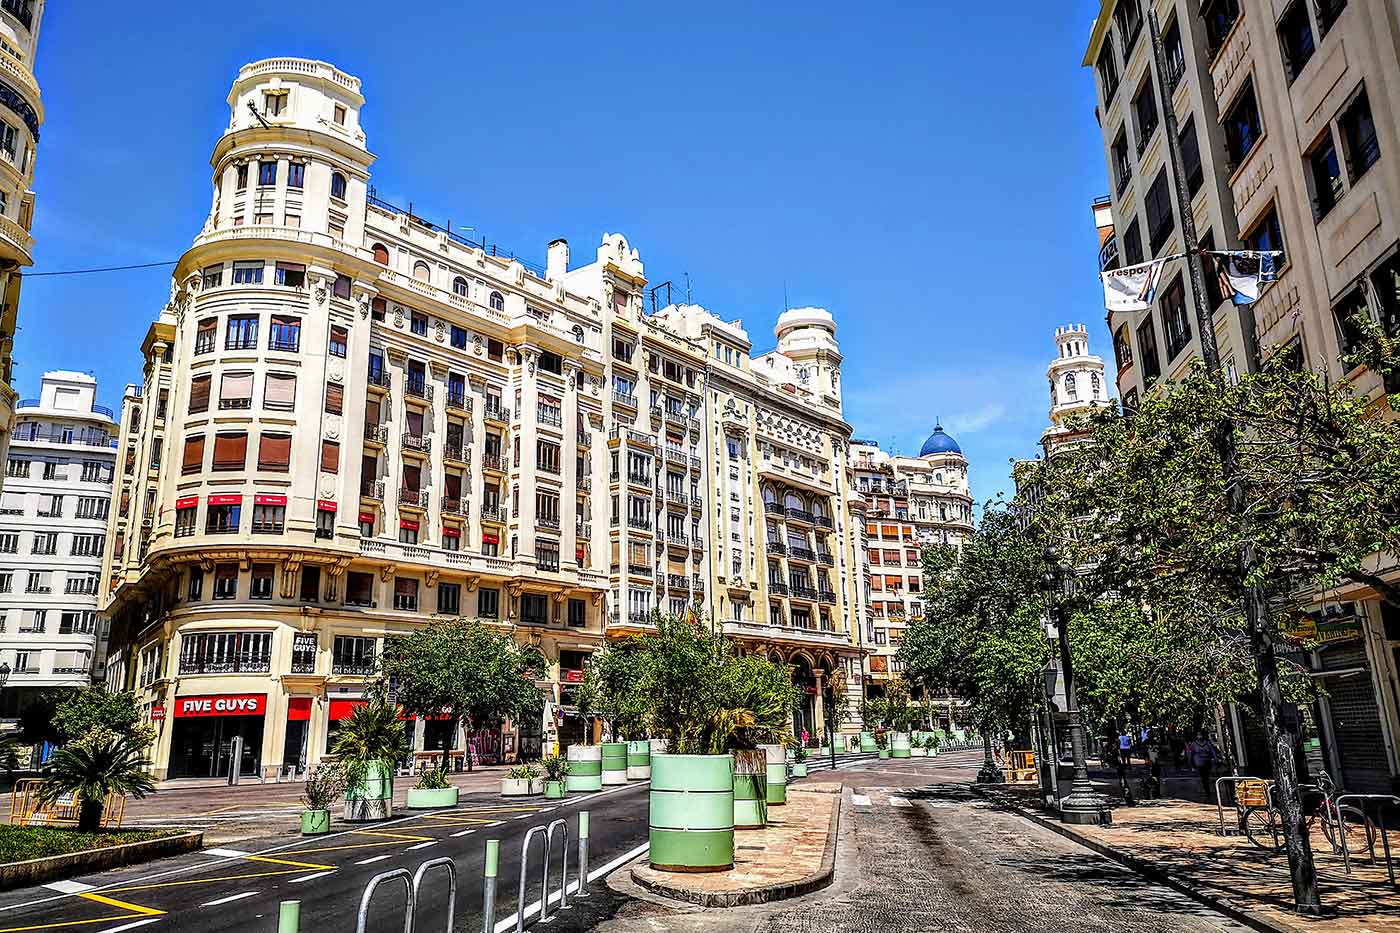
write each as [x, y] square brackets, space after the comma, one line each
[613, 688]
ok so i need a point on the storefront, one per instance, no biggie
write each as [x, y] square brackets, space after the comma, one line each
[210, 731]
[294, 745]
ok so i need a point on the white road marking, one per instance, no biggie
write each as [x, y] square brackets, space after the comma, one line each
[311, 877]
[497, 823]
[230, 899]
[523, 816]
[900, 802]
[860, 800]
[226, 853]
[422, 845]
[533, 909]
[371, 861]
[132, 926]
[465, 832]
[68, 887]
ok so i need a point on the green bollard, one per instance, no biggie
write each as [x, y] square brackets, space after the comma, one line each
[582, 854]
[289, 917]
[488, 893]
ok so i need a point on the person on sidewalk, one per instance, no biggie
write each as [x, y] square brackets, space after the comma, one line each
[1204, 755]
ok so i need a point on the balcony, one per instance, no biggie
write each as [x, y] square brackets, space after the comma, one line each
[456, 453]
[376, 434]
[802, 553]
[494, 412]
[677, 581]
[698, 543]
[697, 582]
[378, 379]
[22, 10]
[678, 540]
[776, 548]
[822, 521]
[413, 498]
[583, 483]
[773, 508]
[493, 513]
[799, 515]
[804, 592]
[641, 524]
[372, 489]
[639, 570]
[825, 559]
[417, 387]
[416, 443]
[675, 455]
[583, 438]
[583, 529]
[550, 523]
[452, 505]
[549, 416]
[638, 478]
[458, 399]
[625, 399]
[632, 437]
[827, 596]
[354, 668]
[777, 588]
[494, 462]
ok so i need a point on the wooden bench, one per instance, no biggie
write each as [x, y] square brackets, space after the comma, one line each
[1020, 766]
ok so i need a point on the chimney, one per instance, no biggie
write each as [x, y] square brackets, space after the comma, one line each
[558, 262]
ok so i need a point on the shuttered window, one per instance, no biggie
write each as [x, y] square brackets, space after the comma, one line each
[335, 398]
[281, 391]
[230, 450]
[236, 390]
[194, 456]
[330, 456]
[199, 393]
[275, 452]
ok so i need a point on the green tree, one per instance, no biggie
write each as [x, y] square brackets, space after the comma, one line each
[78, 712]
[614, 687]
[100, 763]
[373, 733]
[466, 670]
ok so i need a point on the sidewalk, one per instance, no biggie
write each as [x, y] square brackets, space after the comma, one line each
[793, 855]
[1176, 841]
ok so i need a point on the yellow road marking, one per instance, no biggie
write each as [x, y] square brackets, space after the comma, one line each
[394, 839]
[125, 905]
[136, 910]
[283, 861]
[178, 884]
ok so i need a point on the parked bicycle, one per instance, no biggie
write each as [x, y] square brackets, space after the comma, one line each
[1261, 820]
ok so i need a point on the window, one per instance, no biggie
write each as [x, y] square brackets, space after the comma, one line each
[1122, 163]
[304, 647]
[459, 286]
[223, 519]
[353, 654]
[1295, 37]
[1175, 55]
[268, 519]
[547, 456]
[1191, 156]
[1359, 136]
[236, 391]
[325, 523]
[184, 521]
[488, 603]
[39, 582]
[213, 277]
[1122, 347]
[330, 457]
[1128, 16]
[459, 337]
[338, 115]
[546, 555]
[1266, 235]
[50, 505]
[1160, 220]
[1348, 315]
[338, 192]
[418, 323]
[296, 175]
[359, 589]
[338, 340]
[9, 543]
[241, 332]
[274, 103]
[194, 454]
[449, 598]
[199, 393]
[1132, 244]
[88, 545]
[45, 542]
[498, 303]
[226, 581]
[1386, 281]
[205, 335]
[406, 594]
[310, 584]
[1242, 128]
[1328, 11]
[421, 272]
[230, 450]
[534, 609]
[1108, 70]
[1326, 172]
[1219, 16]
[280, 391]
[1175, 319]
[285, 333]
[1147, 351]
[1145, 114]
[260, 582]
[267, 173]
[248, 273]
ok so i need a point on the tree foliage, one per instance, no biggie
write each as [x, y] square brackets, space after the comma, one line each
[78, 712]
[611, 688]
[100, 763]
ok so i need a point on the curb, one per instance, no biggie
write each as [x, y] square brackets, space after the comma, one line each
[764, 895]
[87, 861]
[1225, 906]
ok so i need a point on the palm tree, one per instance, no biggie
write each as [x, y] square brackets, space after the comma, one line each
[99, 764]
[373, 735]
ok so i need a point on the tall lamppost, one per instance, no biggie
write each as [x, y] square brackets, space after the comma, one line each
[1083, 805]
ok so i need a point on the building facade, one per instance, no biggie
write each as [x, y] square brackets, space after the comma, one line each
[53, 529]
[909, 503]
[1291, 109]
[353, 421]
[1077, 385]
[21, 115]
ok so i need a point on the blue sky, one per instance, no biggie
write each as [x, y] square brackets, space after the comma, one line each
[925, 176]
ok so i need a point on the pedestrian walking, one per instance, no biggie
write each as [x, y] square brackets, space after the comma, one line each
[1125, 746]
[1203, 755]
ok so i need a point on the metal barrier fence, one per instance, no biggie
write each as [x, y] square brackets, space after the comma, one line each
[25, 809]
[1380, 819]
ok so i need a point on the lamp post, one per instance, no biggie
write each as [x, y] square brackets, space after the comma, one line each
[1049, 756]
[1082, 806]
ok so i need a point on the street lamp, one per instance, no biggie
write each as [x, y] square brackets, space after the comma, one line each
[1083, 805]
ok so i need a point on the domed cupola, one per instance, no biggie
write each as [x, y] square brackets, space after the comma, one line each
[939, 442]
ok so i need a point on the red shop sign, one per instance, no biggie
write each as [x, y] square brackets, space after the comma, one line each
[367, 517]
[263, 499]
[572, 676]
[325, 505]
[299, 709]
[225, 500]
[341, 709]
[187, 502]
[490, 537]
[249, 704]
[449, 532]
[408, 525]
[158, 713]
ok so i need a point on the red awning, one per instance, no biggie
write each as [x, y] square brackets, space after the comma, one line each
[449, 532]
[187, 502]
[299, 709]
[341, 709]
[326, 505]
[241, 704]
[265, 499]
[226, 500]
[367, 517]
[408, 525]
[489, 537]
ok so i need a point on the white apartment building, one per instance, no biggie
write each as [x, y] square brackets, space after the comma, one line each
[1077, 385]
[353, 421]
[21, 115]
[53, 528]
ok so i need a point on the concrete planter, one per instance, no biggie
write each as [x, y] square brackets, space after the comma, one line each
[614, 763]
[585, 768]
[315, 822]
[553, 790]
[750, 789]
[899, 745]
[823, 752]
[884, 753]
[799, 769]
[91, 861]
[691, 820]
[638, 760]
[520, 787]
[777, 775]
[867, 742]
[918, 751]
[373, 798]
[432, 799]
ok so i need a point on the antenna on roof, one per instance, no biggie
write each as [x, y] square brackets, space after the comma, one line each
[687, 288]
[785, 297]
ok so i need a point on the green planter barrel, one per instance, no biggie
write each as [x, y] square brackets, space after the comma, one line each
[750, 790]
[614, 763]
[867, 742]
[638, 760]
[777, 775]
[436, 798]
[315, 822]
[899, 745]
[553, 790]
[691, 822]
[799, 769]
[585, 768]
[372, 798]
[884, 753]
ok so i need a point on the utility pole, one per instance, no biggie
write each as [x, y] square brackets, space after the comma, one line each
[1256, 605]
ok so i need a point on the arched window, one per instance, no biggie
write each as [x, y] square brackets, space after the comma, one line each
[1095, 384]
[459, 286]
[381, 254]
[769, 495]
[337, 185]
[793, 501]
[420, 271]
[498, 303]
[818, 509]
[1069, 386]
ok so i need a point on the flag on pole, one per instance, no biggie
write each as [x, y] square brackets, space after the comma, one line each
[1132, 288]
[1244, 273]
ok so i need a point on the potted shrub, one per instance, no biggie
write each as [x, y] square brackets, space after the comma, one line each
[367, 746]
[433, 792]
[799, 762]
[322, 789]
[100, 763]
[882, 744]
[556, 769]
[520, 781]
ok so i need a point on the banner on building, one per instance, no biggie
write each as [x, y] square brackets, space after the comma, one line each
[1132, 288]
[1244, 273]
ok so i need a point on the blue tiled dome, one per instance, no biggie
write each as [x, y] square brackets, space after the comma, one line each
[939, 443]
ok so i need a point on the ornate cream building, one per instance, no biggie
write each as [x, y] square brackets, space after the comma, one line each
[21, 115]
[353, 421]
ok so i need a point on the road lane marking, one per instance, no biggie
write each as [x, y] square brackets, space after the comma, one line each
[134, 910]
[226, 853]
[900, 802]
[465, 832]
[523, 816]
[132, 926]
[286, 861]
[230, 899]
[371, 860]
[69, 887]
[497, 823]
[421, 845]
[311, 877]
[532, 909]
[860, 800]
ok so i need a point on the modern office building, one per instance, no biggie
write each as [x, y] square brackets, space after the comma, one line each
[53, 527]
[353, 421]
[21, 115]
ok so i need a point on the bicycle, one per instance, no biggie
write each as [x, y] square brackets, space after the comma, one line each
[1263, 824]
